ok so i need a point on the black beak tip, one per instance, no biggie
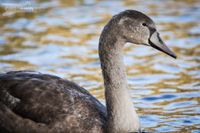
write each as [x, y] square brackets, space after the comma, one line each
[164, 49]
[170, 53]
[174, 56]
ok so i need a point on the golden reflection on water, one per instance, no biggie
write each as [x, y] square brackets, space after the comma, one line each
[62, 39]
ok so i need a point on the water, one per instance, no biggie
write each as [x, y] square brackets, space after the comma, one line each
[61, 38]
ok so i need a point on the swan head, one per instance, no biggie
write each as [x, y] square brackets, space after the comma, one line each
[135, 27]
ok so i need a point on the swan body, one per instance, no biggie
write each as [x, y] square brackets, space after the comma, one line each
[32, 102]
[49, 100]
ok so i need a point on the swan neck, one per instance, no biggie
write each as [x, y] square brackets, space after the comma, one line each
[122, 116]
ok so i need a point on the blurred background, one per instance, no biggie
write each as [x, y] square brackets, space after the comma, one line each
[60, 37]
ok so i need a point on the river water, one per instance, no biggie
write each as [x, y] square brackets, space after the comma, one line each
[61, 38]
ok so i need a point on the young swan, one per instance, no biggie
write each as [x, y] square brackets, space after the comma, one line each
[39, 103]
[128, 26]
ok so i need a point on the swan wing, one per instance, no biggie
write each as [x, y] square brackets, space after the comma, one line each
[50, 100]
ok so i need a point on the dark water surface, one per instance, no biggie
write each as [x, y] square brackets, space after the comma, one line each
[61, 37]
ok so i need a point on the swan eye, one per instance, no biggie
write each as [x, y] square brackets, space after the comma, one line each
[144, 24]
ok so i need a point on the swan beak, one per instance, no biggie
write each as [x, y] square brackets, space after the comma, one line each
[156, 42]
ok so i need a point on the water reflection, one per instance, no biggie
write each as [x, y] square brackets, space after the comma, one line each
[62, 39]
